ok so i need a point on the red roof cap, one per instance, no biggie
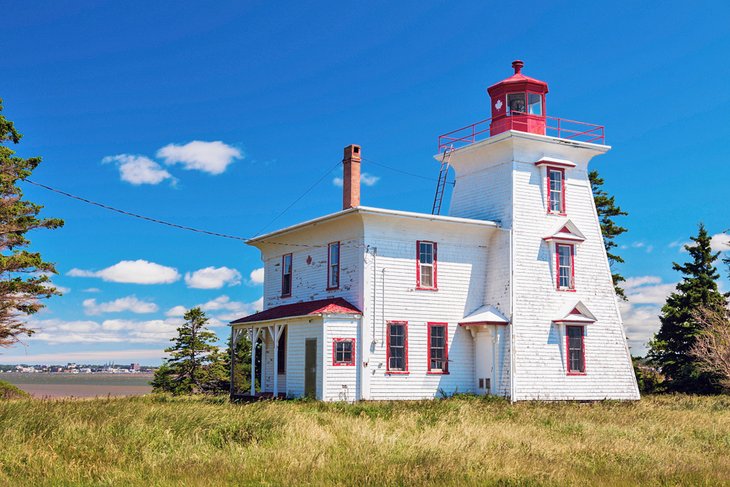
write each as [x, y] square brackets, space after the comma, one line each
[319, 306]
[518, 77]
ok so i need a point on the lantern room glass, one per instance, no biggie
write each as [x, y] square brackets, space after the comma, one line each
[516, 103]
[534, 104]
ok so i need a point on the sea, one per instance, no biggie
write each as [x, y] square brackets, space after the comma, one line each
[56, 385]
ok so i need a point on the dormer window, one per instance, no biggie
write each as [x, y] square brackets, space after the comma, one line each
[556, 190]
[565, 266]
[286, 275]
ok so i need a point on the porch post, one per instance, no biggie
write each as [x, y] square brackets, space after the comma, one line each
[254, 338]
[234, 340]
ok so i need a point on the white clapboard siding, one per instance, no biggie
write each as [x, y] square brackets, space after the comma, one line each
[341, 382]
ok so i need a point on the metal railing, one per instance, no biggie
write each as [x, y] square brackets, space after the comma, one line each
[561, 128]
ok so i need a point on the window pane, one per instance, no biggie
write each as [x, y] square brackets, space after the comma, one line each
[556, 190]
[425, 253]
[565, 266]
[515, 103]
[426, 276]
[575, 349]
[397, 354]
[437, 348]
[534, 104]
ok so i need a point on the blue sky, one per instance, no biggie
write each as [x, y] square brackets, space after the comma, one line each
[112, 94]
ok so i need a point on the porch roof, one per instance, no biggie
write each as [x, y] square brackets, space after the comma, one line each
[486, 315]
[307, 308]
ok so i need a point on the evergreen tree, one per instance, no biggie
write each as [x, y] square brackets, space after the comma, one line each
[23, 274]
[242, 360]
[671, 347]
[194, 359]
[607, 211]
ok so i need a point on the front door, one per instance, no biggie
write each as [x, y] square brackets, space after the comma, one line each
[310, 367]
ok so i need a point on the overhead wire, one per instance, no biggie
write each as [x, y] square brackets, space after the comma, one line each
[219, 234]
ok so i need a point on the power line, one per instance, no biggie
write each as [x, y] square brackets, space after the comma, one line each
[135, 215]
[420, 176]
[297, 200]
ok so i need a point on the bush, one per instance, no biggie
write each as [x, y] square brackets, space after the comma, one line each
[9, 391]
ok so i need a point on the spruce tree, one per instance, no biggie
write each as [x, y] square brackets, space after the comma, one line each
[671, 347]
[23, 274]
[194, 358]
[607, 211]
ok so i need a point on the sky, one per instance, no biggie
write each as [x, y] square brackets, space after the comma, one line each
[218, 115]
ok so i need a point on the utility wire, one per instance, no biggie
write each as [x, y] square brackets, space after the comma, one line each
[135, 215]
[298, 199]
[420, 176]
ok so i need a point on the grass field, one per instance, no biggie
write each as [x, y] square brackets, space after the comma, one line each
[159, 440]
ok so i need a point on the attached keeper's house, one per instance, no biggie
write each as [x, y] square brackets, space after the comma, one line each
[510, 294]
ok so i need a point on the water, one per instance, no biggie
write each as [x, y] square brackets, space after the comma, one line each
[80, 385]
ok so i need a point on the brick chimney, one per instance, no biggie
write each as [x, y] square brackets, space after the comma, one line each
[351, 177]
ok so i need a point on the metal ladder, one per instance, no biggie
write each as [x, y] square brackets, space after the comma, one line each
[441, 185]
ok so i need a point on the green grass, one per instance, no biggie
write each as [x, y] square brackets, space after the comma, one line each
[160, 440]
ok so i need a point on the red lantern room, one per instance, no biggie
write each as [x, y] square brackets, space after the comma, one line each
[518, 103]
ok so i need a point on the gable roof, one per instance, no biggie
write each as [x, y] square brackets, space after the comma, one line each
[578, 314]
[567, 232]
[486, 315]
[366, 210]
[308, 308]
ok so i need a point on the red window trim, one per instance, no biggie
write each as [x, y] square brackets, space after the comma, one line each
[547, 179]
[291, 274]
[572, 267]
[335, 363]
[445, 371]
[582, 347]
[339, 265]
[405, 351]
[418, 266]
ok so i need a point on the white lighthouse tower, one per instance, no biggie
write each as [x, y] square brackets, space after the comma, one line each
[529, 171]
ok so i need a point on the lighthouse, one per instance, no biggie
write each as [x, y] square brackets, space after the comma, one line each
[529, 171]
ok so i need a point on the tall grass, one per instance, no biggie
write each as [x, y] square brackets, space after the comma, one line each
[159, 440]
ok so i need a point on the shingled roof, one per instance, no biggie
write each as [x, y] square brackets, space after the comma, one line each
[316, 307]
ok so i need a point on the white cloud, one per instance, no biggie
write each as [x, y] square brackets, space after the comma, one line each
[137, 169]
[257, 276]
[55, 331]
[129, 303]
[640, 325]
[634, 282]
[365, 178]
[91, 290]
[211, 157]
[176, 311]
[229, 310]
[720, 242]
[212, 278]
[133, 272]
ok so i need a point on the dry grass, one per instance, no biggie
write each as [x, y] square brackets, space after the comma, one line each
[158, 440]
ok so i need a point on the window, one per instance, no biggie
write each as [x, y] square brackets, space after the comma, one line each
[343, 351]
[397, 348]
[556, 190]
[576, 350]
[281, 362]
[516, 103]
[438, 352]
[534, 104]
[565, 266]
[333, 265]
[286, 274]
[426, 265]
